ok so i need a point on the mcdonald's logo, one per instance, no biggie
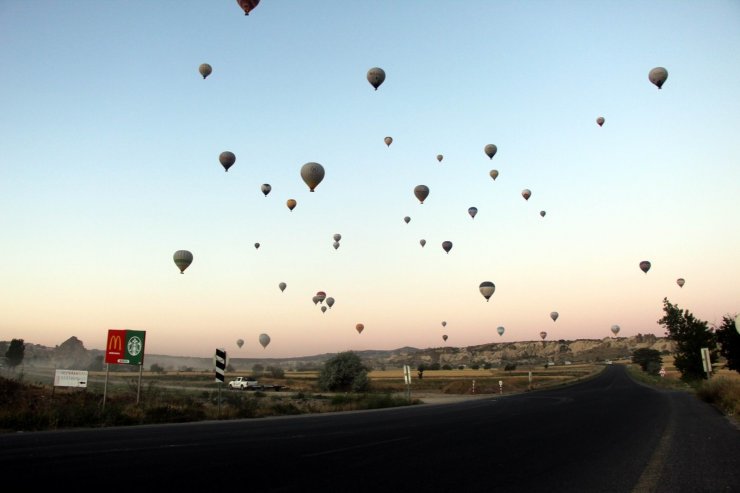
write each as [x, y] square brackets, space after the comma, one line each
[115, 343]
[114, 350]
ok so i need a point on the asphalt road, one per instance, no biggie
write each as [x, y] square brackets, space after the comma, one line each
[607, 434]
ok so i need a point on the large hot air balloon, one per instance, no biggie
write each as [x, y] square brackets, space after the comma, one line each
[205, 70]
[526, 193]
[388, 141]
[494, 174]
[266, 188]
[227, 159]
[359, 328]
[600, 121]
[444, 324]
[247, 5]
[330, 301]
[486, 289]
[291, 203]
[543, 334]
[406, 219]
[337, 237]
[183, 259]
[658, 76]
[447, 246]
[645, 266]
[282, 286]
[680, 281]
[240, 342]
[421, 192]
[422, 242]
[615, 329]
[376, 76]
[264, 340]
[440, 157]
[490, 150]
[321, 296]
[500, 331]
[312, 174]
[444, 337]
[554, 316]
[473, 211]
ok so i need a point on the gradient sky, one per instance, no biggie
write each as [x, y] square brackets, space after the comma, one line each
[109, 145]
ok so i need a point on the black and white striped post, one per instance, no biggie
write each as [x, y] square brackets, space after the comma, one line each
[220, 371]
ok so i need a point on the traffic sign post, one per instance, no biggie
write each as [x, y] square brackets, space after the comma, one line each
[407, 379]
[220, 371]
[500, 386]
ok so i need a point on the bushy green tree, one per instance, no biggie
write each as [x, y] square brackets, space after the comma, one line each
[15, 353]
[649, 360]
[276, 372]
[344, 372]
[728, 339]
[690, 335]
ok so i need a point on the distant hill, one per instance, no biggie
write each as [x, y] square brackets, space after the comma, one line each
[72, 355]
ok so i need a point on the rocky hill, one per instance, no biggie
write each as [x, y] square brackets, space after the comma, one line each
[72, 355]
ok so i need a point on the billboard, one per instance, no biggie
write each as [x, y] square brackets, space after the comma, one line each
[125, 347]
[70, 378]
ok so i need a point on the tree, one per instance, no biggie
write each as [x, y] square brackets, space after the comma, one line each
[15, 353]
[344, 372]
[155, 368]
[728, 339]
[276, 372]
[258, 370]
[690, 336]
[420, 370]
[649, 360]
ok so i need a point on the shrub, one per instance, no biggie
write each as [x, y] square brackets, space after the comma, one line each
[344, 372]
[723, 393]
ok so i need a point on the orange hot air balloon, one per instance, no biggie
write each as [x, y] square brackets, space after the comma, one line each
[291, 203]
[359, 328]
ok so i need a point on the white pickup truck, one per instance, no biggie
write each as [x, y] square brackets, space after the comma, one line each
[245, 383]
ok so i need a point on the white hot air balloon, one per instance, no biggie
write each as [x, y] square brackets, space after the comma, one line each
[500, 331]
[615, 329]
[487, 288]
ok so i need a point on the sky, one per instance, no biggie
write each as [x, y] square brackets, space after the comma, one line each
[110, 138]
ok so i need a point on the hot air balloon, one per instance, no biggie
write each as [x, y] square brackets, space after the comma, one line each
[447, 246]
[388, 141]
[282, 286]
[486, 289]
[615, 329]
[240, 342]
[554, 316]
[440, 157]
[444, 337]
[542, 213]
[473, 211]
[312, 174]
[680, 281]
[658, 76]
[526, 193]
[321, 296]
[247, 5]
[315, 300]
[444, 324]
[291, 203]
[600, 121]
[494, 174]
[500, 331]
[227, 159]
[645, 266]
[264, 340]
[359, 328]
[543, 334]
[265, 188]
[490, 150]
[256, 245]
[421, 192]
[205, 70]
[376, 76]
[422, 242]
[323, 309]
[335, 245]
[330, 301]
[337, 237]
[406, 219]
[183, 259]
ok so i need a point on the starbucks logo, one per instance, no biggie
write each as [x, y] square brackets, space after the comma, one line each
[134, 346]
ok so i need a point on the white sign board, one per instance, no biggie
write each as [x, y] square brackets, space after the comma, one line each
[70, 378]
